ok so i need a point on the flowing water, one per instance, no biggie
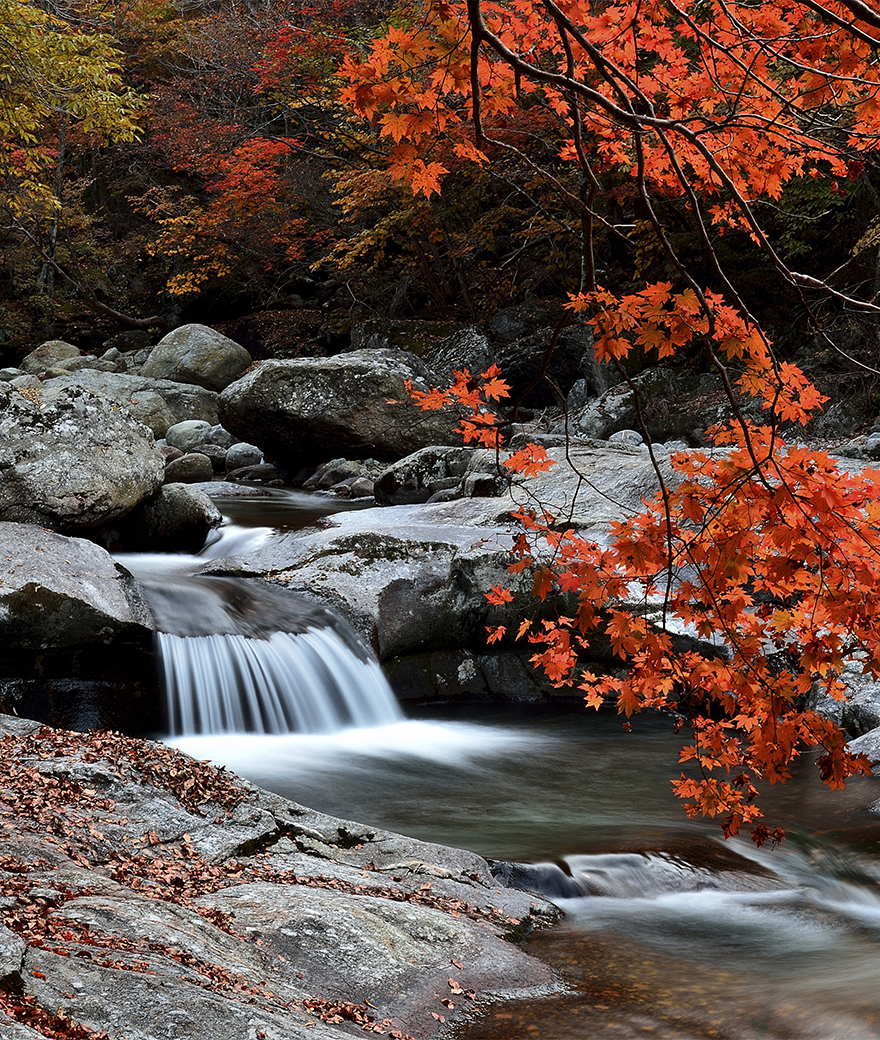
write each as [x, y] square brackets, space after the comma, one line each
[668, 932]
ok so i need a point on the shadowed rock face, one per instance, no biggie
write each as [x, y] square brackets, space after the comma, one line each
[182, 901]
[71, 460]
[58, 592]
[353, 405]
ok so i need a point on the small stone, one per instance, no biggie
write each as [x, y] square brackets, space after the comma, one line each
[189, 434]
[243, 454]
[627, 438]
[192, 468]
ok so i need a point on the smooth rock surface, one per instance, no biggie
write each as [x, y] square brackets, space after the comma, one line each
[192, 468]
[197, 354]
[189, 434]
[57, 591]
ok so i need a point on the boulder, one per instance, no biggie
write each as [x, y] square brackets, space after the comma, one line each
[71, 460]
[57, 591]
[192, 468]
[523, 343]
[355, 405]
[157, 403]
[184, 902]
[669, 403]
[178, 519]
[189, 434]
[197, 354]
[47, 355]
[243, 454]
[425, 473]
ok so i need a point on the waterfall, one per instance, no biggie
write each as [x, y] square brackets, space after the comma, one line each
[307, 682]
[242, 656]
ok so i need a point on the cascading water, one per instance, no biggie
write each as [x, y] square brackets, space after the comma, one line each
[239, 656]
[309, 682]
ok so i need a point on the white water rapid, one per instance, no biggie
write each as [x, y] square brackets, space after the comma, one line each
[238, 655]
[306, 682]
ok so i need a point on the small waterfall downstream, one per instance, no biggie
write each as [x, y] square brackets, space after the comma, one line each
[241, 656]
[307, 682]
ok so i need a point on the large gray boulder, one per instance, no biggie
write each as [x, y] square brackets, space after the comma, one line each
[181, 901]
[157, 403]
[70, 459]
[354, 405]
[197, 354]
[59, 592]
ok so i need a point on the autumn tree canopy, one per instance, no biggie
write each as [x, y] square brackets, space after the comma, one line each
[55, 73]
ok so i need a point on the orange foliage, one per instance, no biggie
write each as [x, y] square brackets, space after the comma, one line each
[767, 552]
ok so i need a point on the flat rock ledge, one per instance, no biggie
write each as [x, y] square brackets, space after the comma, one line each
[148, 896]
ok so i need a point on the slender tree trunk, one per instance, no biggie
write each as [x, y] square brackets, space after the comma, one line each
[46, 279]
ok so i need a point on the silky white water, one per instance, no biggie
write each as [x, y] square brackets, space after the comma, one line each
[309, 682]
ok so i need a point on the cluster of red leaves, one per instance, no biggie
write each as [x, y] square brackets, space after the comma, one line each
[479, 423]
[736, 97]
[767, 552]
[26, 1011]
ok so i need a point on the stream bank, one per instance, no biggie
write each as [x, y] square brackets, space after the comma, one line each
[146, 895]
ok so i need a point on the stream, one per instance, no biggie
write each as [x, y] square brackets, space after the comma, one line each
[668, 931]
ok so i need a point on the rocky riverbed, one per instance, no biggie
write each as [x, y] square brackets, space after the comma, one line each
[146, 895]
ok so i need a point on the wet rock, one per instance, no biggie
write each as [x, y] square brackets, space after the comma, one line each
[157, 403]
[222, 438]
[263, 473]
[259, 916]
[412, 578]
[355, 405]
[70, 460]
[178, 519]
[338, 471]
[197, 354]
[57, 591]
